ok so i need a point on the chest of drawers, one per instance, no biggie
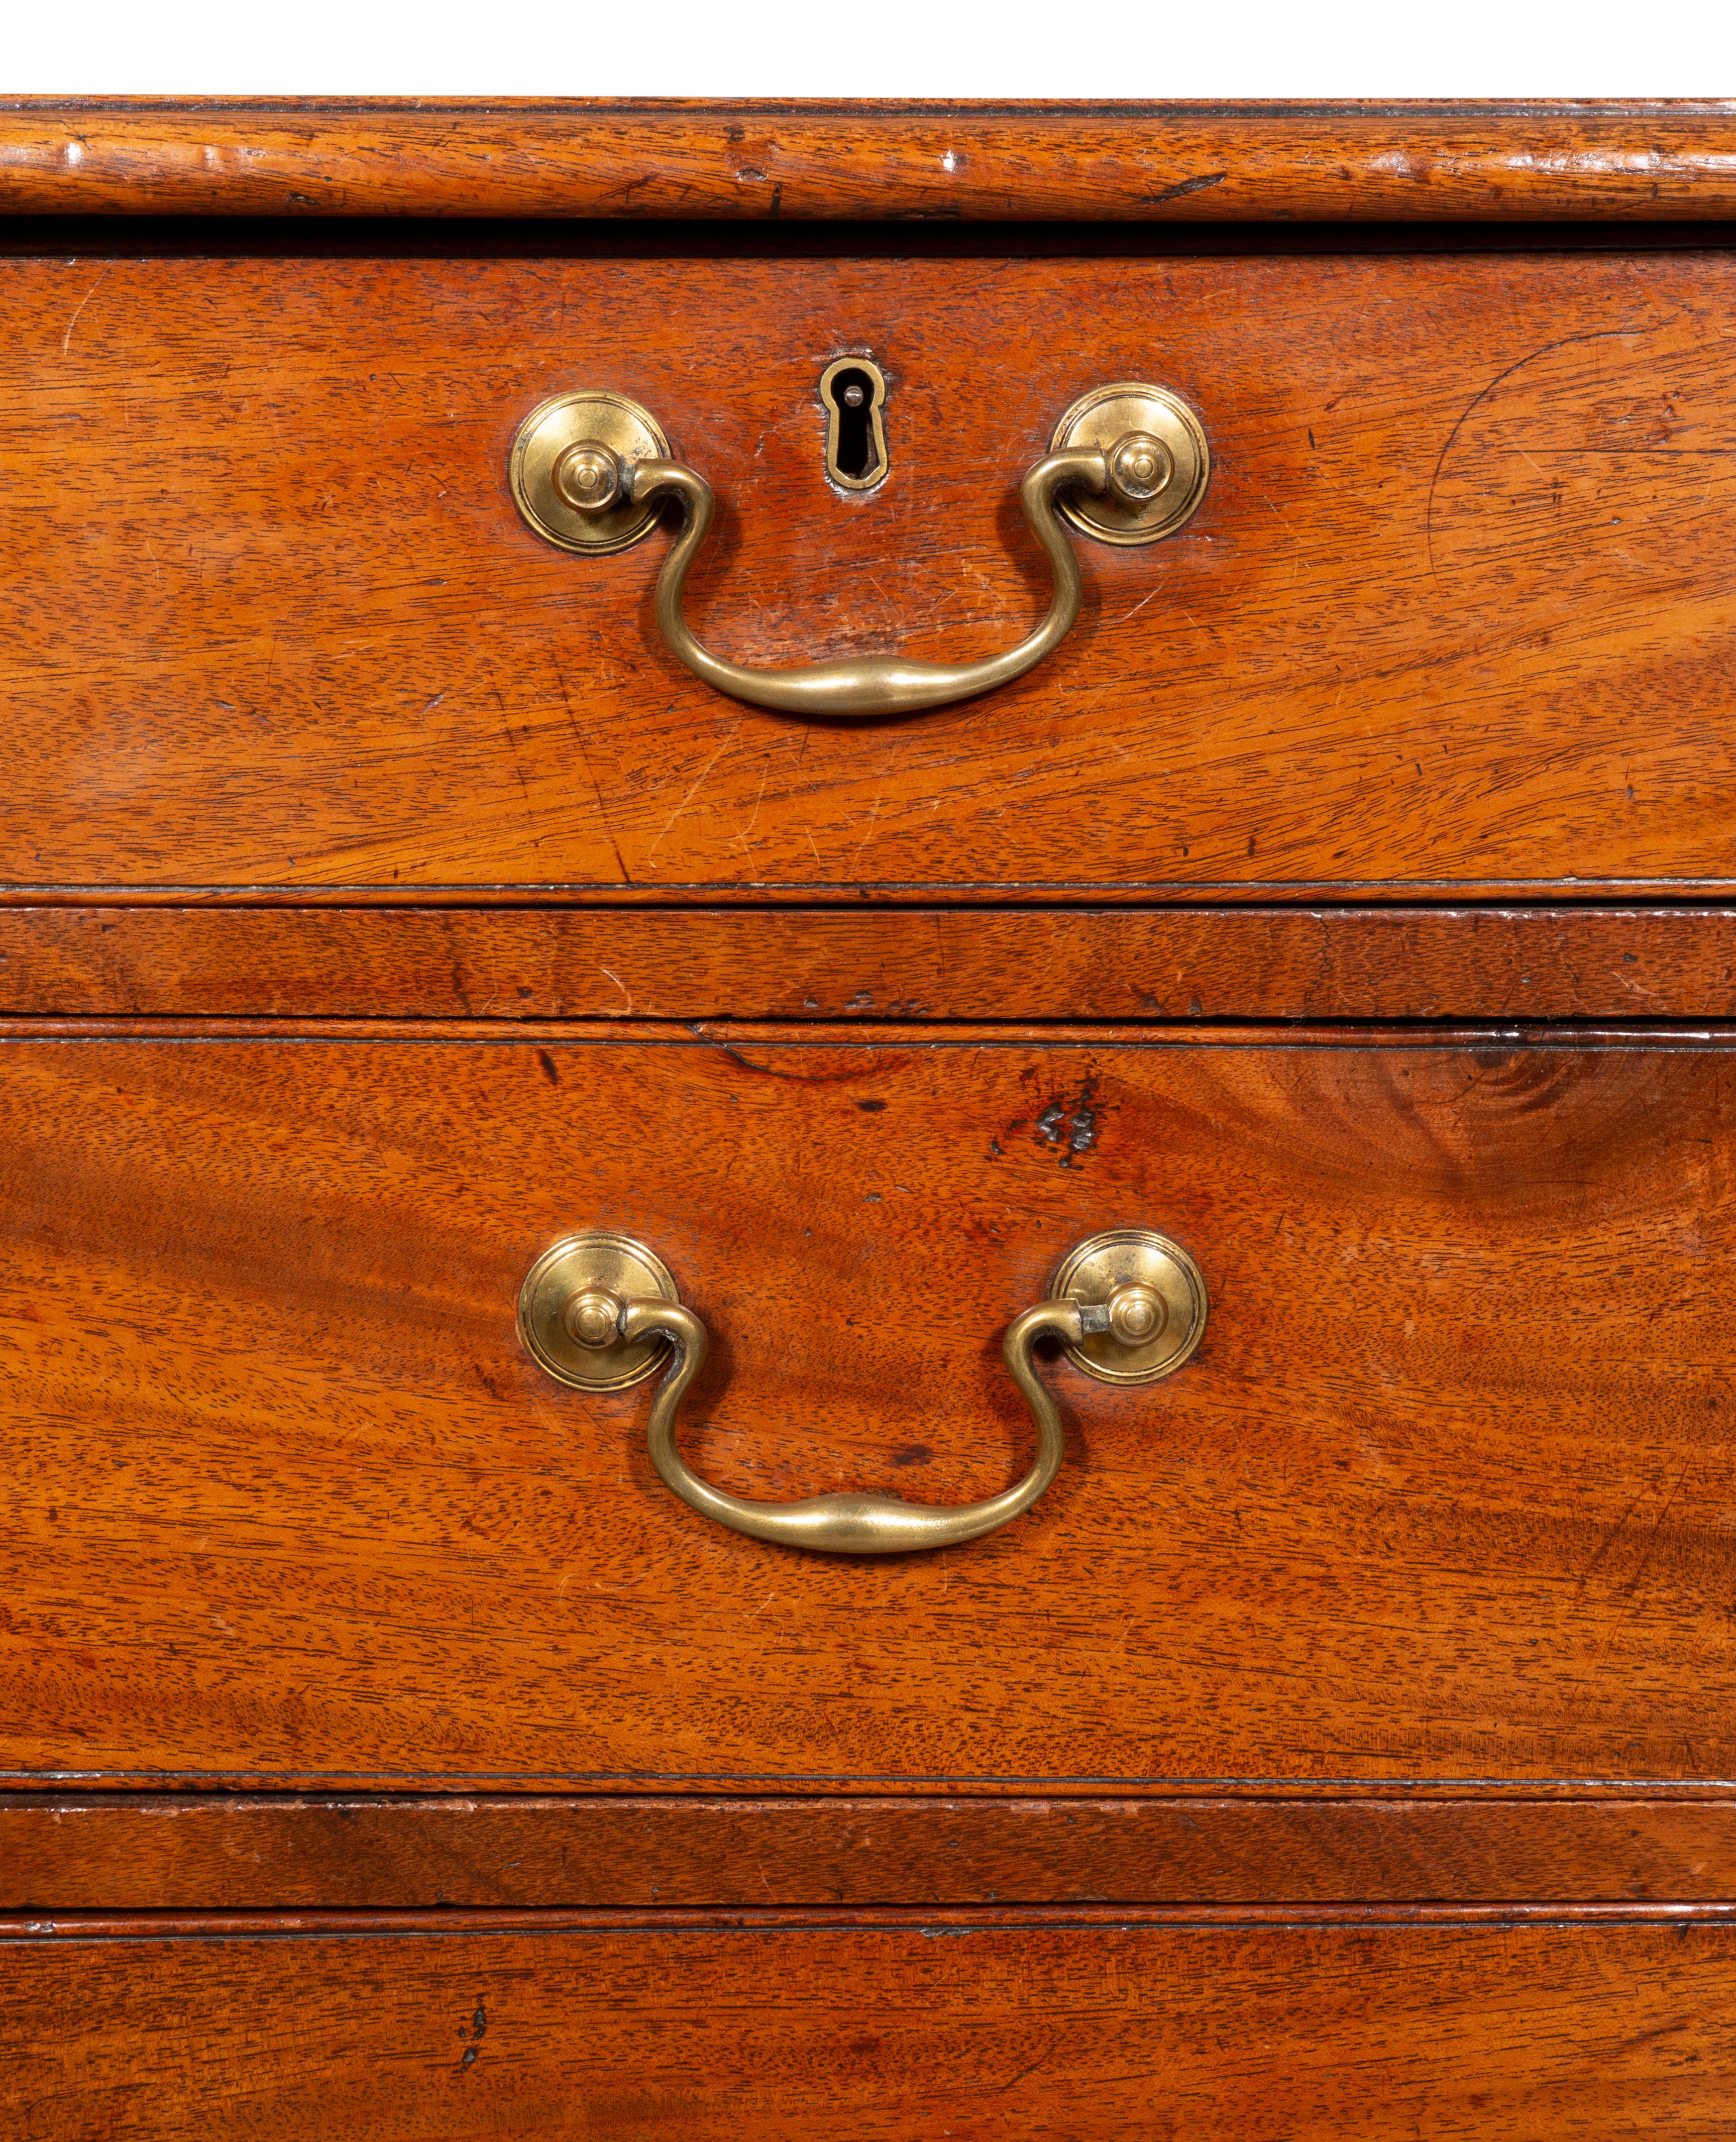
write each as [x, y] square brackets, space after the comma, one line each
[934, 1340]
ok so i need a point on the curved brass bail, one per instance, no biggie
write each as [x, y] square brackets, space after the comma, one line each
[851, 1524]
[591, 471]
[598, 1310]
[870, 685]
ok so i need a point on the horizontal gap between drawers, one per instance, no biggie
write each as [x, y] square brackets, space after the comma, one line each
[158, 1926]
[84, 236]
[907, 1035]
[756, 1785]
[1068, 896]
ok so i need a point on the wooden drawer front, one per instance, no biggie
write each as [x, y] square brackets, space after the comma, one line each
[79, 1852]
[1455, 610]
[1447, 1491]
[914, 2033]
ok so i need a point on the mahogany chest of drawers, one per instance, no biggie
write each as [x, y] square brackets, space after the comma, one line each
[869, 1122]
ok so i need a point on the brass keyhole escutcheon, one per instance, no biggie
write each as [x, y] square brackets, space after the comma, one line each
[853, 393]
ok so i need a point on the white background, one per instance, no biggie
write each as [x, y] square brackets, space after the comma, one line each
[1070, 48]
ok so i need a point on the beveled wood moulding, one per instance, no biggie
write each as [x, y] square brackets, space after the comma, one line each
[1261, 2028]
[63, 1853]
[644, 159]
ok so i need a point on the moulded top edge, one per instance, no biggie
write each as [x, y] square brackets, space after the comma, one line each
[661, 159]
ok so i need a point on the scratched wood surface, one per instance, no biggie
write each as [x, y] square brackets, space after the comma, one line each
[643, 158]
[61, 1852]
[1445, 1494]
[917, 2032]
[927, 964]
[1456, 609]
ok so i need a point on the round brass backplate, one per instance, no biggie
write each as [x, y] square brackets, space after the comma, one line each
[576, 1265]
[1109, 413]
[1090, 1274]
[612, 421]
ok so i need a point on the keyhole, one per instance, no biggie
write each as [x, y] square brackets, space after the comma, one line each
[852, 394]
[852, 390]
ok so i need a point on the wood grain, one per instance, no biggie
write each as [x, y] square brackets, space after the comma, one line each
[917, 965]
[1455, 611]
[939, 1919]
[1197, 1804]
[61, 1852]
[1306, 2033]
[1447, 1493]
[643, 158]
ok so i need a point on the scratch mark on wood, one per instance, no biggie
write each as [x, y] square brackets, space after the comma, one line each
[1531, 357]
[66, 339]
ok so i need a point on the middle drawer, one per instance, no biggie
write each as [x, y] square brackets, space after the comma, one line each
[1444, 1493]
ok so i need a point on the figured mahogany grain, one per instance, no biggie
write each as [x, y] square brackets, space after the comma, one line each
[61, 1852]
[1312, 2032]
[642, 158]
[687, 963]
[1447, 1491]
[1455, 610]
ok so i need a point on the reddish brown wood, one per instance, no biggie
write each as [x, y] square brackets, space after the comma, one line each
[1630, 159]
[1456, 609]
[518, 964]
[1414, 1587]
[63, 1853]
[115, 1925]
[914, 2034]
[1564, 898]
[1395, 1036]
[1446, 1493]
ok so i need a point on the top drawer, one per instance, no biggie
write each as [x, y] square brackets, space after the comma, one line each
[1454, 612]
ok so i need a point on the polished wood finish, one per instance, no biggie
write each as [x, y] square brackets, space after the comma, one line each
[1445, 1493]
[63, 1853]
[939, 1919]
[1343, 1748]
[1257, 2032]
[504, 963]
[1455, 611]
[643, 158]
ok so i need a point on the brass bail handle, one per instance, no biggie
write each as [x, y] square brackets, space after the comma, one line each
[591, 471]
[599, 1310]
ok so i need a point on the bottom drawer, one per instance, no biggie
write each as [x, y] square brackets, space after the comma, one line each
[1279, 2029]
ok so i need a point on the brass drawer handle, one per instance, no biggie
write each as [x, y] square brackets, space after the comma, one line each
[591, 471]
[599, 1311]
